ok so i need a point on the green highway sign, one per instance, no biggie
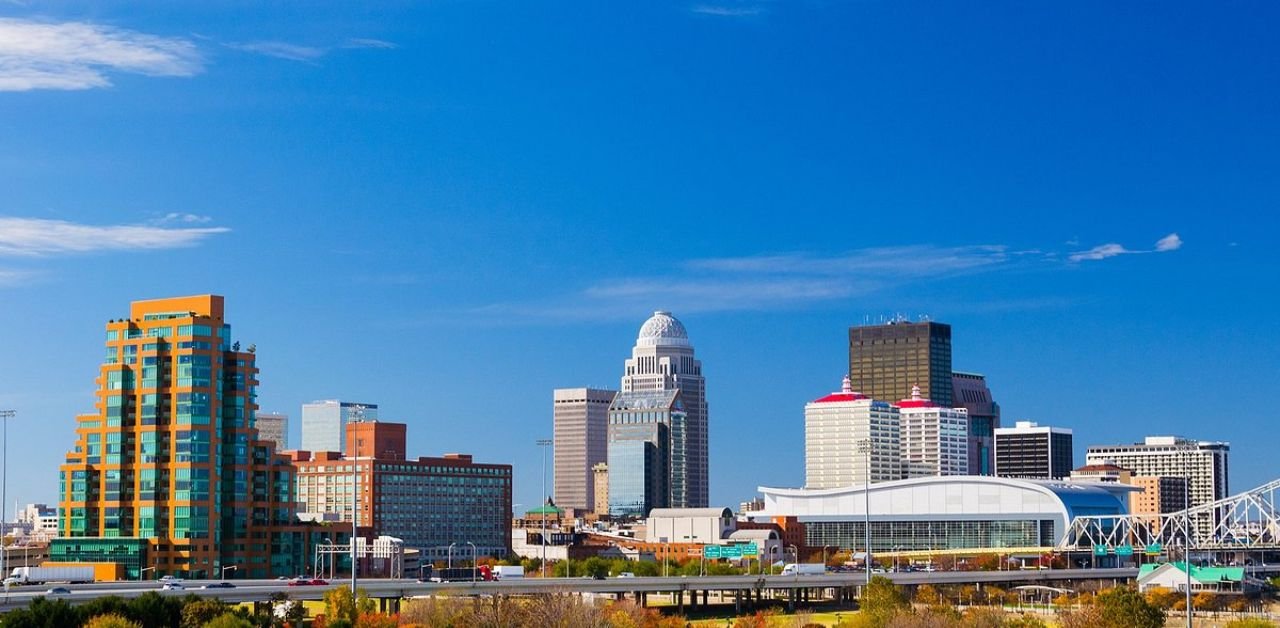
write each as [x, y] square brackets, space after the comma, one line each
[1154, 549]
[1124, 550]
[751, 549]
[1099, 550]
[711, 551]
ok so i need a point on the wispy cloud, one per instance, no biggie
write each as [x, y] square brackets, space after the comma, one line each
[280, 50]
[80, 55]
[181, 219]
[309, 54]
[722, 10]
[906, 261]
[33, 237]
[364, 42]
[1168, 243]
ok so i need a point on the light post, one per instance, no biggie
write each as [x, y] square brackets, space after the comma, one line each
[142, 571]
[357, 415]
[542, 565]
[231, 567]
[5, 415]
[1186, 504]
[449, 565]
[795, 553]
[473, 561]
[865, 445]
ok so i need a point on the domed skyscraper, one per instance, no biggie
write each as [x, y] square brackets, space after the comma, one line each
[662, 361]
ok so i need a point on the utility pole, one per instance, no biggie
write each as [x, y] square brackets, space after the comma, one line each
[357, 413]
[5, 415]
[543, 443]
[865, 446]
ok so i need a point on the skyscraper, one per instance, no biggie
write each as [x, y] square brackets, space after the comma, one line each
[1032, 451]
[970, 391]
[935, 440]
[274, 427]
[647, 451]
[324, 423]
[580, 425]
[885, 361]
[662, 360]
[168, 472]
[1202, 463]
[835, 429]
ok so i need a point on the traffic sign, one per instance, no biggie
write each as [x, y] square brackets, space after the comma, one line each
[731, 551]
[711, 551]
[1124, 550]
[1099, 550]
[751, 549]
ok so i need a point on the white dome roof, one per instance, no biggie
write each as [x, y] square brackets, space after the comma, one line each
[662, 329]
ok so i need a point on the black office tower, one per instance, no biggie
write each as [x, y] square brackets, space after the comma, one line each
[885, 361]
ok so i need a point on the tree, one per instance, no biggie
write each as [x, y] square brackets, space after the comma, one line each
[1125, 608]
[1205, 601]
[596, 567]
[153, 610]
[928, 595]
[339, 606]
[1162, 598]
[111, 620]
[971, 594]
[995, 595]
[229, 620]
[109, 605]
[200, 612]
[41, 613]
[882, 600]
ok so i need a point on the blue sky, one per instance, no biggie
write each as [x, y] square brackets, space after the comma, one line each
[451, 208]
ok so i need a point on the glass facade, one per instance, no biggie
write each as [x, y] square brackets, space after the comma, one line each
[931, 535]
[632, 474]
[885, 361]
[130, 552]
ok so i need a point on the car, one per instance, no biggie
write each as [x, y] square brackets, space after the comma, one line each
[172, 586]
[58, 591]
[319, 582]
[598, 576]
[299, 582]
[219, 585]
[626, 574]
[282, 578]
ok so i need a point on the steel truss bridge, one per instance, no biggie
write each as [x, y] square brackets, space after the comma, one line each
[1243, 522]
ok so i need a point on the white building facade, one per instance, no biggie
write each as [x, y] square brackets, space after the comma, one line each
[689, 525]
[274, 427]
[837, 429]
[1202, 463]
[663, 360]
[935, 440]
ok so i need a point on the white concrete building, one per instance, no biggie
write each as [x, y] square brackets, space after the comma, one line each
[580, 427]
[689, 525]
[662, 360]
[274, 427]
[935, 440]
[835, 426]
[1203, 463]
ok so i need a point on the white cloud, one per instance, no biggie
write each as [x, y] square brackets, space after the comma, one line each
[1170, 242]
[179, 218]
[726, 11]
[1166, 244]
[1102, 251]
[79, 55]
[365, 42]
[37, 236]
[280, 50]
[914, 260]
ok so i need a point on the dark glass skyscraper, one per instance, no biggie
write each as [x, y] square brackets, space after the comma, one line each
[970, 391]
[885, 361]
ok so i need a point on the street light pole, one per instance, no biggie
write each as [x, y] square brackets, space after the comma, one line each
[1186, 505]
[473, 561]
[357, 412]
[865, 446]
[5, 415]
[449, 565]
[542, 565]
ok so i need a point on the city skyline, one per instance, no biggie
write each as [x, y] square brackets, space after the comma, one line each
[452, 210]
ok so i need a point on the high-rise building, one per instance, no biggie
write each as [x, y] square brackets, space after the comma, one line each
[935, 440]
[885, 361]
[273, 427]
[580, 426]
[428, 502]
[647, 451]
[1203, 463]
[970, 391]
[837, 429]
[662, 360]
[169, 473]
[324, 423]
[1032, 451]
[600, 478]
[1160, 494]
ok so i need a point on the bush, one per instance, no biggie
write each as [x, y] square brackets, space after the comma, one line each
[111, 621]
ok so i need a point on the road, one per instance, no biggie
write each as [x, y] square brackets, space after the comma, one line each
[262, 590]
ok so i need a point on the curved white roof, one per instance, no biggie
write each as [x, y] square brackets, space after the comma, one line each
[690, 512]
[962, 497]
[662, 329]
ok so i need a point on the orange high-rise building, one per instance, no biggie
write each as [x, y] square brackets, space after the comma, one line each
[169, 474]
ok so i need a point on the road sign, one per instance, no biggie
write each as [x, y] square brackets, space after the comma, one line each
[711, 551]
[1154, 549]
[731, 551]
[751, 549]
[1124, 550]
[1099, 550]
